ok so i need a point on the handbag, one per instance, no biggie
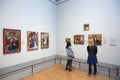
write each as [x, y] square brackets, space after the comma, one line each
[70, 53]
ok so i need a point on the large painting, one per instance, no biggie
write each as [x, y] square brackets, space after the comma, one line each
[32, 40]
[95, 39]
[11, 41]
[44, 40]
[79, 39]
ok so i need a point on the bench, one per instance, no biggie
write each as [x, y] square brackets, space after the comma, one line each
[98, 65]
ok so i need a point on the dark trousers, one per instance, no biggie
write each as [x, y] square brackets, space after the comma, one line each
[90, 68]
[69, 65]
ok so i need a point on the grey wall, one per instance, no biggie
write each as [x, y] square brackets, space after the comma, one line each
[25, 69]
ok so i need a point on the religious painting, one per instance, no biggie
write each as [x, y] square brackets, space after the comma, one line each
[86, 27]
[79, 39]
[95, 39]
[44, 40]
[67, 40]
[32, 40]
[11, 41]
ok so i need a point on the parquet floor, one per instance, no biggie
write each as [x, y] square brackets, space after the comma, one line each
[58, 72]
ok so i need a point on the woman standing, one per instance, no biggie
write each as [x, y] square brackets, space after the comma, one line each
[92, 58]
[69, 58]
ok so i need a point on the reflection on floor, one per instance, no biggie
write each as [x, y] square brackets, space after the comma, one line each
[58, 72]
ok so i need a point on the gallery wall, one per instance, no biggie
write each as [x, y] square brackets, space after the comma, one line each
[61, 21]
[103, 17]
[27, 15]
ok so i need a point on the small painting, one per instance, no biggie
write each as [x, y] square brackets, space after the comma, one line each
[95, 39]
[86, 27]
[11, 41]
[32, 40]
[44, 40]
[79, 39]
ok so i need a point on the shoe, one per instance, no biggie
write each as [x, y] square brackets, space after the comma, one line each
[89, 73]
[66, 68]
[70, 69]
[94, 73]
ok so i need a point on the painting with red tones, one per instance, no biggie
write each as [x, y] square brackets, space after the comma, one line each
[79, 39]
[11, 41]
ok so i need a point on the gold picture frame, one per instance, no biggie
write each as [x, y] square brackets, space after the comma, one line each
[79, 39]
[44, 40]
[95, 39]
[32, 40]
[12, 41]
[86, 27]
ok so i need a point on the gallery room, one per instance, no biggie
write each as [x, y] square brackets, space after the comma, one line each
[34, 37]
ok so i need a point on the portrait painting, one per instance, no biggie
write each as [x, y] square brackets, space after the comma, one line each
[11, 41]
[95, 39]
[32, 40]
[79, 39]
[86, 27]
[44, 40]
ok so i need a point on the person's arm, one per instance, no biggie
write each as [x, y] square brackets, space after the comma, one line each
[96, 50]
[88, 49]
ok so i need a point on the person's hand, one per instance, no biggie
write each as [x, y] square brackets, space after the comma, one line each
[73, 57]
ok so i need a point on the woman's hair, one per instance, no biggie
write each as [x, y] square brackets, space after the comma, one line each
[68, 44]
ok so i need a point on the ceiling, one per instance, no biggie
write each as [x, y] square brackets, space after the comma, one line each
[57, 2]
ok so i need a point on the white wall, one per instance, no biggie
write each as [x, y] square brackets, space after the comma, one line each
[27, 15]
[103, 17]
[40, 16]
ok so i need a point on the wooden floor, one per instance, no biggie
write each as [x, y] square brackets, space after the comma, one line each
[58, 72]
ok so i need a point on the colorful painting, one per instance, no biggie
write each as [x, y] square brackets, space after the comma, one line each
[79, 39]
[11, 41]
[32, 40]
[95, 39]
[86, 27]
[44, 40]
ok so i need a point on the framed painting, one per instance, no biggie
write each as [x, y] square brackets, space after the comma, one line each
[32, 40]
[86, 27]
[79, 39]
[11, 41]
[95, 39]
[44, 40]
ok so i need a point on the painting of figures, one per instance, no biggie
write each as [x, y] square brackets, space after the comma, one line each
[44, 40]
[32, 40]
[79, 39]
[95, 39]
[86, 27]
[11, 41]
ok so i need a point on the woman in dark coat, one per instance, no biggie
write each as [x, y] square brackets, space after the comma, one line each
[92, 58]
